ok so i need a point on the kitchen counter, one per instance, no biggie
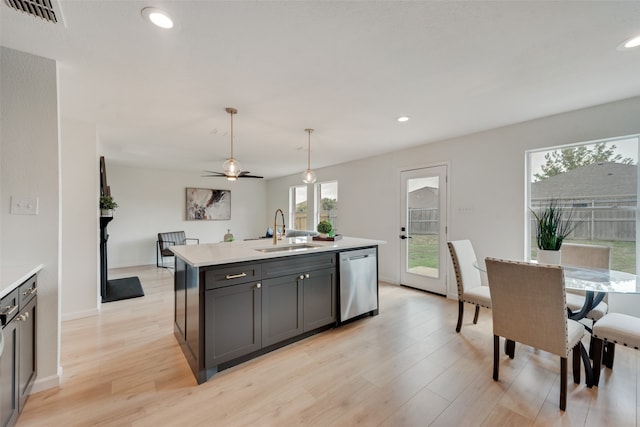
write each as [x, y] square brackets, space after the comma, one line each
[12, 276]
[239, 251]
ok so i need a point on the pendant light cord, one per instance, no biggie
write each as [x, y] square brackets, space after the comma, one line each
[309, 149]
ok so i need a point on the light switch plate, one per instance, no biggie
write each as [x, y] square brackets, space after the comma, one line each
[24, 205]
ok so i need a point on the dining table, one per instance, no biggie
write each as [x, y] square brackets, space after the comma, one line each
[596, 284]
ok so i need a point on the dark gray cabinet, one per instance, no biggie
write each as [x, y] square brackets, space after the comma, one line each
[319, 298]
[230, 313]
[18, 313]
[281, 309]
[232, 322]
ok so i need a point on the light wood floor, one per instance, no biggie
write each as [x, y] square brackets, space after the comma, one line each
[404, 367]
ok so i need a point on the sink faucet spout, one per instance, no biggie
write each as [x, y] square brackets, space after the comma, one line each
[275, 226]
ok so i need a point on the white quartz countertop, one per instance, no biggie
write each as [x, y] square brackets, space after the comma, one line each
[238, 251]
[12, 276]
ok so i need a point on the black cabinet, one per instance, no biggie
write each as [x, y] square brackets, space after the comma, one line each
[230, 313]
[18, 360]
[281, 309]
[232, 322]
[319, 298]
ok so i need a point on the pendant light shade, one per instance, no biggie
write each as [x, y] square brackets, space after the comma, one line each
[231, 166]
[309, 176]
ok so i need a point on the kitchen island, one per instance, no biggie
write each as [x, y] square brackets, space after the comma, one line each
[237, 300]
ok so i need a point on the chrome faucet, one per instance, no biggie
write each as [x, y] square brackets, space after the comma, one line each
[275, 226]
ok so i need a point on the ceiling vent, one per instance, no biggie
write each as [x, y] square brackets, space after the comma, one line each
[40, 8]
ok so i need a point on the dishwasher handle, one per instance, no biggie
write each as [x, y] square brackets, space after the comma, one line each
[358, 257]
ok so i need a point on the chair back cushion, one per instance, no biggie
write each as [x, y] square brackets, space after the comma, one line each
[585, 255]
[171, 238]
[463, 257]
[528, 304]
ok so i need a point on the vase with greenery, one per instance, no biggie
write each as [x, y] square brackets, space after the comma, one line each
[324, 228]
[553, 224]
[107, 205]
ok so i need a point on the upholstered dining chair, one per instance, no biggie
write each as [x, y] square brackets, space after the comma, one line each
[580, 255]
[168, 239]
[470, 288]
[528, 306]
[612, 329]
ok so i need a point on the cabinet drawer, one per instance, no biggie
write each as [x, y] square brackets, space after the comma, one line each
[298, 264]
[28, 290]
[9, 306]
[232, 275]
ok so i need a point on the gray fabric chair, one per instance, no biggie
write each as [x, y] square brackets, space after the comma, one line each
[612, 329]
[579, 255]
[470, 288]
[528, 306]
[166, 240]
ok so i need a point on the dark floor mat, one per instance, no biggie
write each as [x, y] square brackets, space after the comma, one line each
[125, 288]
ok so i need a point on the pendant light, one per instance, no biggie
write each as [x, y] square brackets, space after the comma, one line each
[231, 166]
[309, 176]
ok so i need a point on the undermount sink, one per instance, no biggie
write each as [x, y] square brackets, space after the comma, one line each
[288, 248]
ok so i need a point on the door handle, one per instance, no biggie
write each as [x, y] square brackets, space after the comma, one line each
[402, 236]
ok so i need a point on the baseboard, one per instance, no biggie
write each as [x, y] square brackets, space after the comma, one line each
[46, 383]
[80, 314]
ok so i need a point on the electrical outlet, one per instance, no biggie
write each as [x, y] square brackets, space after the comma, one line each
[24, 205]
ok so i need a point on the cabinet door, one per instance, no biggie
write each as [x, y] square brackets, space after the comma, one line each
[319, 298]
[8, 376]
[281, 308]
[233, 322]
[27, 341]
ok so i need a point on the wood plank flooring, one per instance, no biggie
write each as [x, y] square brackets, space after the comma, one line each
[404, 367]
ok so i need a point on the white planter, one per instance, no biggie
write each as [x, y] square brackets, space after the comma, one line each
[106, 212]
[549, 257]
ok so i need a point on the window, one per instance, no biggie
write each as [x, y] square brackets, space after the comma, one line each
[327, 203]
[598, 180]
[298, 208]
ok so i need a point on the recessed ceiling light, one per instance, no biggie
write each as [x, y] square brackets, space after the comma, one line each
[157, 17]
[629, 43]
[402, 119]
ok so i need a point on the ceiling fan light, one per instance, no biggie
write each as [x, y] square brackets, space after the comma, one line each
[232, 167]
[308, 176]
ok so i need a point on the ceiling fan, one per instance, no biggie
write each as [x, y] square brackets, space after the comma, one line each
[232, 168]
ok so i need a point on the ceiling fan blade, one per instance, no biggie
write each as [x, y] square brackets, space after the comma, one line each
[214, 174]
[243, 174]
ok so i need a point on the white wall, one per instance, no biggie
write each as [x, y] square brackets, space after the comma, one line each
[151, 201]
[486, 182]
[30, 167]
[80, 228]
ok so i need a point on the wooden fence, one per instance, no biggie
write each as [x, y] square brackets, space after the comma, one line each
[302, 220]
[607, 219]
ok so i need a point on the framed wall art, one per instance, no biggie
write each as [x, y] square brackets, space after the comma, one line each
[206, 204]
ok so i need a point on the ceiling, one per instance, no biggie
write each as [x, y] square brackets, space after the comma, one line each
[347, 69]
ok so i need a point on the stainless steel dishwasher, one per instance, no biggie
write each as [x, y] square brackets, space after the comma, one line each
[358, 283]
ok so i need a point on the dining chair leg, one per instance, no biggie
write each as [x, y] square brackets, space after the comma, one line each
[460, 315]
[496, 357]
[563, 383]
[475, 317]
[510, 348]
[609, 353]
[596, 351]
[576, 364]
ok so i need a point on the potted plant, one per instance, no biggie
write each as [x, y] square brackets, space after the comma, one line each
[324, 228]
[107, 205]
[553, 224]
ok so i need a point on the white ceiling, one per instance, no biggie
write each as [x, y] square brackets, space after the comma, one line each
[346, 69]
